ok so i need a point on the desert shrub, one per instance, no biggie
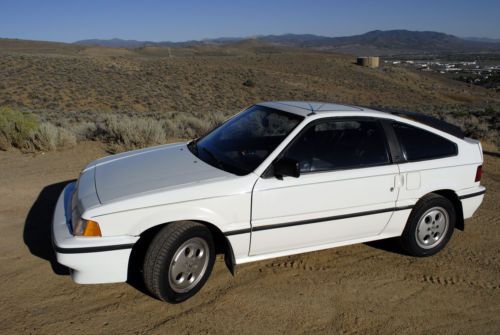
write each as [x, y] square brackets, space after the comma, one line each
[249, 83]
[16, 127]
[170, 128]
[48, 137]
[479, 124]
[217, 119]
[4, 143]
[190, 126]
[84, 130]
[66, 138]
[127, 133]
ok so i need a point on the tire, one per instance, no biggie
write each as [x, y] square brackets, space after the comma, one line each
[429, 227]
[179, 261]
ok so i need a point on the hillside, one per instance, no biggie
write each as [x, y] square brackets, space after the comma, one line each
[59, 81]
[158, 79]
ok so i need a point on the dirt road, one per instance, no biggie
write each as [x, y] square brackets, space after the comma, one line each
[364, 289]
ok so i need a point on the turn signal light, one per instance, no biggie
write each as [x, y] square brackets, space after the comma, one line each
[91, 229]
[479, 173]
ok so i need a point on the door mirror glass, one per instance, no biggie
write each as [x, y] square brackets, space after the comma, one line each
[286, 167]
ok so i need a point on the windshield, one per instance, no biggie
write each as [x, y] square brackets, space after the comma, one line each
[241, 144]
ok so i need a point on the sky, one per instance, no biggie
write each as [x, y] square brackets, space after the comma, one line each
[181, 20]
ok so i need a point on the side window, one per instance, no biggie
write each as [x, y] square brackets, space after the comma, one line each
[340, 144]
[419, 144]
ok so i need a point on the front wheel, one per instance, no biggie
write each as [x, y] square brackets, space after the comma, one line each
[429, 227]
[179, 261]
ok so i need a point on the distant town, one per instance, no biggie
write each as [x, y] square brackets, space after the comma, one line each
[482, 71]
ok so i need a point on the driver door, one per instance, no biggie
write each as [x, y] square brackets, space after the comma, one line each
[346, 189]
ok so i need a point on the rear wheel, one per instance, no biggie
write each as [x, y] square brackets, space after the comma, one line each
[429, 227]
[179, 261]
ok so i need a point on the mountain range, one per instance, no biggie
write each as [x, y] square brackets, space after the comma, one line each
[372, 42]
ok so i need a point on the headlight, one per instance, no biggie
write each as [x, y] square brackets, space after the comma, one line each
[82, 227]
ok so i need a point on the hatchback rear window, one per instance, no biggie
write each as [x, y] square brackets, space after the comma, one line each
[419, 144]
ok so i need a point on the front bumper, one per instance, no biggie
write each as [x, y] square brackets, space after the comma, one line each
[92, 260]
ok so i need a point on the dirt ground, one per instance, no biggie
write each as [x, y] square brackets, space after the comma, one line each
[363, 289]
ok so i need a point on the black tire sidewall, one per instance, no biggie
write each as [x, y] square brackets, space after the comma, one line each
[165, 290]
[409, 240]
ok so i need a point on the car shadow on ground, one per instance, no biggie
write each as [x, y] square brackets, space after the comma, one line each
[37, 233]
[37, 236]
[389, 245]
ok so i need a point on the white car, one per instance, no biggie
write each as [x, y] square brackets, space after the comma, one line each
[277, 179]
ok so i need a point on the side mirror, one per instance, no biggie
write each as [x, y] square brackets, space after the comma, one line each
[286, 167]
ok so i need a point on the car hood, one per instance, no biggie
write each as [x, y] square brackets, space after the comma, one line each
[151, 170]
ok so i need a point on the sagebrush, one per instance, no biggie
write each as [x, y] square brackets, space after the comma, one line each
[127, 131]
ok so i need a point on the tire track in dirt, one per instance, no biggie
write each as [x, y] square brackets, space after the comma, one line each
[449, 281]
[310, 263]
[299, 264]
[220, 292]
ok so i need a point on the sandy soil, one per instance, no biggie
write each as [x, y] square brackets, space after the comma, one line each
[357, 289]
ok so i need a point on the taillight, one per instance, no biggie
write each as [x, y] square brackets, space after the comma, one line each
[479, 173]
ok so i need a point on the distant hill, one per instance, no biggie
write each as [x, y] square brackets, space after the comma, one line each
[373, 42]
[113, 43]
[386, 42]
[482, 39]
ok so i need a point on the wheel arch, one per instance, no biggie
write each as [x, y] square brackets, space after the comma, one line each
[222, 246]
[457, 204]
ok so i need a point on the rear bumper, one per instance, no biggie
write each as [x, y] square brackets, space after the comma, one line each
[471, 200]
[92, 260]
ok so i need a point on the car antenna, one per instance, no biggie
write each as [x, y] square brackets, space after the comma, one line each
[312, 109]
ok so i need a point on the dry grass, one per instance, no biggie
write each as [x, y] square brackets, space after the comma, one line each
[125, 133]
[200, 82]
[77, 88]
[49, 137]
[120, 132]
[22, 130]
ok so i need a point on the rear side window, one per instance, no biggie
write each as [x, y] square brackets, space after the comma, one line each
[419, 144]
[340, 144]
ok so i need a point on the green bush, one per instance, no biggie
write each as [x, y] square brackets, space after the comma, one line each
[22, 130]
[16, 128]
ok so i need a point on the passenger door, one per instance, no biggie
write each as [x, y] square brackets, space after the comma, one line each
[346, 189]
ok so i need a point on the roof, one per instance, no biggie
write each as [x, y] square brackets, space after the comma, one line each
[306, 108]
